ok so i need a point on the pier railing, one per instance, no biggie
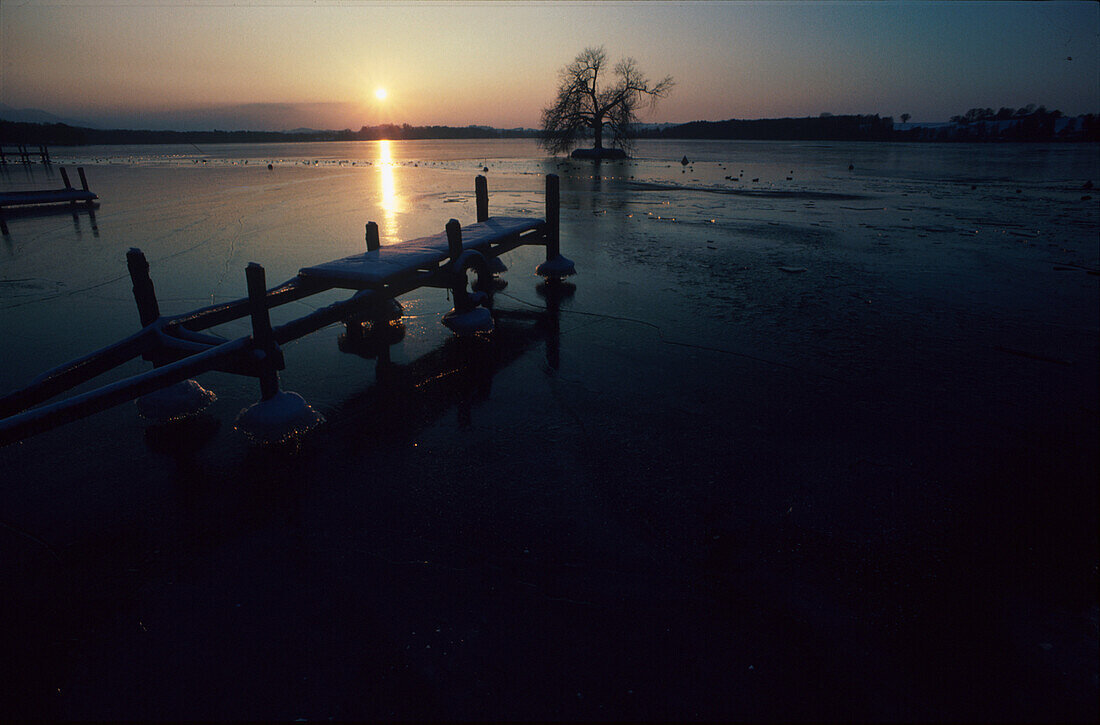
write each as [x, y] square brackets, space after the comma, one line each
[23, 153]
[13, 203]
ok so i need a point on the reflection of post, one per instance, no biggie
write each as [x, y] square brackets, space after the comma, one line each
[554, 291]
[383, 362]
[553, 211]
[477, 362]
[553, 331]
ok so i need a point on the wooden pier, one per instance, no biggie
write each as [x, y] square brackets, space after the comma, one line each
[179, 349]
[19, 200]
[23, 153]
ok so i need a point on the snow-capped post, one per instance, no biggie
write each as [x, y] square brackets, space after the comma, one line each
[454, 244]
[454, 239]
[263, 337]
[556, 266]
[553, 212]
[372, 237]
[179, 400]
[280, 416]
[465, 317]
[481, 192]
[144, 294]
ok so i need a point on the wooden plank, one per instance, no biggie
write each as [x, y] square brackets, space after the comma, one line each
[50, 416]
[372, 269]
[53, 196]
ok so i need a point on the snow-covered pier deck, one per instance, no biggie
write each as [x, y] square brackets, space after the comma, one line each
[24, 153]
[179, 349]
[35, 197]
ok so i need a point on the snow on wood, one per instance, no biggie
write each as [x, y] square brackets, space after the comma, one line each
[374, 268]
[55, 196]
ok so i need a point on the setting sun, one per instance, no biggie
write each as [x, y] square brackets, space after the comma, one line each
[380, 94]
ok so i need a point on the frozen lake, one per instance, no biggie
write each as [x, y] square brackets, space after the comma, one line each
[808, 442]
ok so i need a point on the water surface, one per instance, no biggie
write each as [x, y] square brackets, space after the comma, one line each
[807, 441]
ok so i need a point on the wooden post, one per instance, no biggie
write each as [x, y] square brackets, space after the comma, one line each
[458, 277]
[144, 294]
[65, 178]
[83, 179]
[454, 239]
[553, 211]
[373, 244]
[45, 154]
[481, 192]
[262, 335]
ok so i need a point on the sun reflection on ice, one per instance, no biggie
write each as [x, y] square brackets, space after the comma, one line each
[391, 202]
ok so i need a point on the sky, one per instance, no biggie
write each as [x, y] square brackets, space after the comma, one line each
[282, 64]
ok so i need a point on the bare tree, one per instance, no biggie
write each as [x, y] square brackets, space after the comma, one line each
[589, 101]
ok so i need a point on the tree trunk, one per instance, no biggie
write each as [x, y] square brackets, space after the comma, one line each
[597, 134]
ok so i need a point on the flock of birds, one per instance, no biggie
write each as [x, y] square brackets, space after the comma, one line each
[685, 161]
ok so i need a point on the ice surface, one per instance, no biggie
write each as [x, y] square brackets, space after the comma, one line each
[843, 444]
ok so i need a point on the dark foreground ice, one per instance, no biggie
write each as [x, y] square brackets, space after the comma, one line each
[819, 448]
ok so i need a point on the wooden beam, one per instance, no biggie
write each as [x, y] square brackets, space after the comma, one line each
[262, 335]
[144, 294]
[481, 193]
[454, 239]
[50, 416]
[373, 244]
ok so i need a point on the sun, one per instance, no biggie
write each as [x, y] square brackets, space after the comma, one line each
[380, 94]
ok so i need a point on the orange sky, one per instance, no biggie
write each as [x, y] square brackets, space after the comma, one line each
[285, 64]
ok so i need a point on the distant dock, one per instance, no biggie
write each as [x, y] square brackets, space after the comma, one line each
[18, 200]
[23, 153]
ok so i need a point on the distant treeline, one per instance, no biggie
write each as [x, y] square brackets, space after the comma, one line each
[978, 124]
[824, 127]
[405, 131]
[60, 134]
[1029, 124]
[1011, 124]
